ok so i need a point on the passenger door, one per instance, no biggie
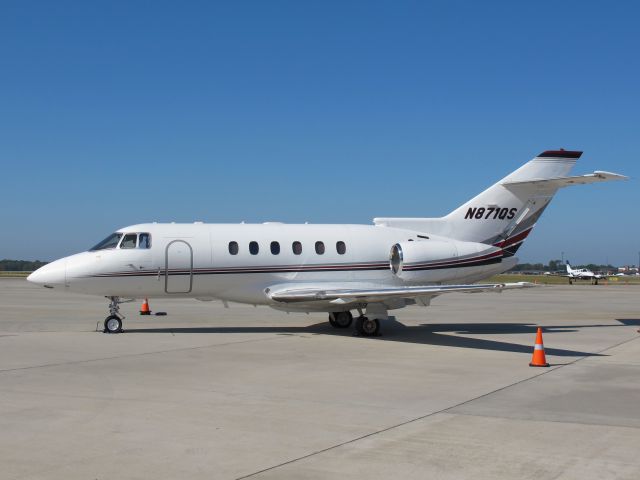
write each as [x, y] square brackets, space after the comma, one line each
[178, 274]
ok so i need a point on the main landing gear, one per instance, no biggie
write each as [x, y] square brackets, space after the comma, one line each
[113, 323]
[365, 326]
[340, 319]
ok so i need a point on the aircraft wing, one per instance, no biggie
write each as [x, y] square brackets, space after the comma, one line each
[558, 182]
[343, 296]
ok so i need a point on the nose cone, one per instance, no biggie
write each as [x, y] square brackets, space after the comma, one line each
[51, 275]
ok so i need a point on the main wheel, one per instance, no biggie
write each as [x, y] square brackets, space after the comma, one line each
[367, 327]
[342, 319]
[112, 324]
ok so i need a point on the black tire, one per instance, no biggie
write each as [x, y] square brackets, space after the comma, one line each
[112, 324]
[342, 319]
[332, 320]
[367, 327]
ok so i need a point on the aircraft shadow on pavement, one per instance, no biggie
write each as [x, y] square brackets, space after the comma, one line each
[451, 335]
[445, 334]
[629, 321]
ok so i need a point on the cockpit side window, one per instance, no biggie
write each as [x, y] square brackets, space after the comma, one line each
[129, 240]
[144, 241]
[110, 242]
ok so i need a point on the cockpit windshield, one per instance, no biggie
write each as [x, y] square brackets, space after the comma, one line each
[110, 242]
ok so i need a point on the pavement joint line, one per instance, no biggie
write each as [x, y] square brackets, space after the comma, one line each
[546, 420]
[545, 372]
[131, 355]
[422, 417]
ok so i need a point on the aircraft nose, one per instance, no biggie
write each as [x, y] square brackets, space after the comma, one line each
[50, 275]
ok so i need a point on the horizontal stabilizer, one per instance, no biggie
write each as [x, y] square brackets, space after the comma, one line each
[559, 182]
[505, 213]
[343, 296]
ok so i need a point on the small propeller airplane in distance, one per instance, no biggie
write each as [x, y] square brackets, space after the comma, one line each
[582, 274]
[337, 269]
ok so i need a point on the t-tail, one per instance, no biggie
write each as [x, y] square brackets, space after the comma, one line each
[505, 213]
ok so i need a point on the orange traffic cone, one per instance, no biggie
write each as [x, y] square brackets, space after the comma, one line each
[144, 309]
[538, 360]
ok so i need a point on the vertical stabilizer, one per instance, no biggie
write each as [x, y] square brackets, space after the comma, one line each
[506, 212]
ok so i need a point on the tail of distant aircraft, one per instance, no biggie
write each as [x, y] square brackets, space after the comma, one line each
[569, 269]
[505, 213]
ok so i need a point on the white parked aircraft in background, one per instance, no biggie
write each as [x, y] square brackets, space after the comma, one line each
[337, 269]
[582, 274]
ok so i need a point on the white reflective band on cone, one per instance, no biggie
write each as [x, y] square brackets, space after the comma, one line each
[538, 346]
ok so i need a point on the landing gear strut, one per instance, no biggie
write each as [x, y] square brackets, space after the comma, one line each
[340, 319]
[113, 323]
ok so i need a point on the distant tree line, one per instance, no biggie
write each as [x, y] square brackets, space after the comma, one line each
[557, 265]
[20, 265]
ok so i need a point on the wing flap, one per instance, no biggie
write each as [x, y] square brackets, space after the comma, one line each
[346, 296]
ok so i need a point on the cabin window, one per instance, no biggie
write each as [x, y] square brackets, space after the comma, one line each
[110, 242]
[129, 240]
[297, 248]
[144, 240]
[233, 248]
[320, 248]
[253, 248]
[275, 248]
[341, 248]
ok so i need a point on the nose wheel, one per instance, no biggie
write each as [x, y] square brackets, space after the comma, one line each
[113, 323]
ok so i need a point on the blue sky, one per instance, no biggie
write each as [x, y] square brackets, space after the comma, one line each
[115, 113]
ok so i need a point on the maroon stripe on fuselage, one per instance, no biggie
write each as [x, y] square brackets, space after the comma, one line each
[254, 269]
[453, 262]
[515, 239]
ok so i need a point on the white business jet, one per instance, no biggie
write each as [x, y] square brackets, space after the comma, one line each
[369, 269]
[582, 274]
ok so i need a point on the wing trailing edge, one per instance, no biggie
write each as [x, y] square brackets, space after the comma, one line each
[346, 296]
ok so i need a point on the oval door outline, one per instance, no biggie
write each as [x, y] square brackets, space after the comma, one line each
[166, 266]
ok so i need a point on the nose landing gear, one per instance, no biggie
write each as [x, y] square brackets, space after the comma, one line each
[113, 323]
